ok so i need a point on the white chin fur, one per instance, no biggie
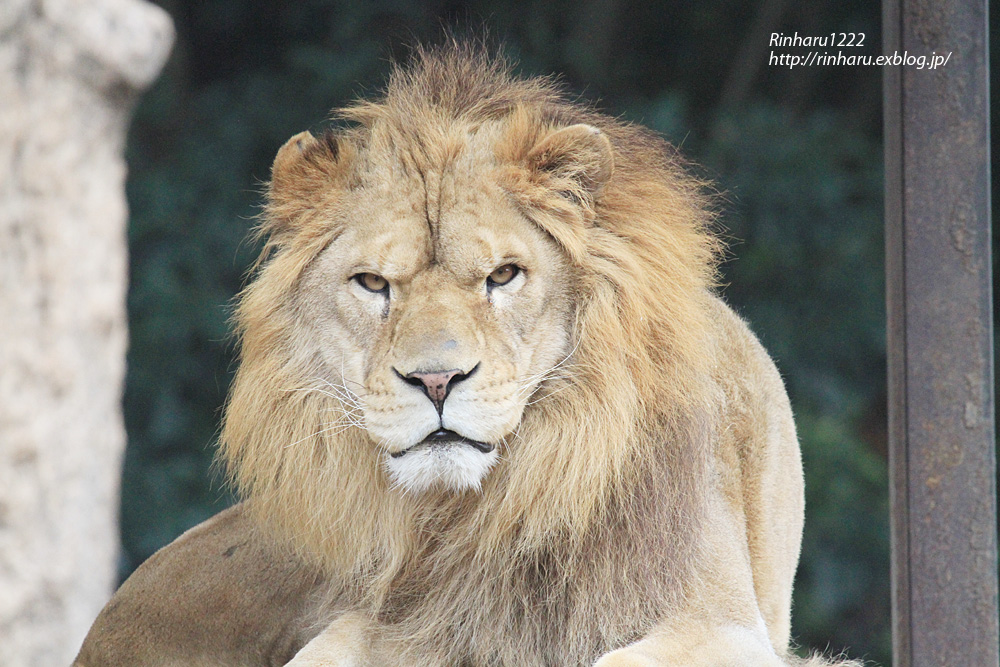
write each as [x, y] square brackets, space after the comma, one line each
[452, 465]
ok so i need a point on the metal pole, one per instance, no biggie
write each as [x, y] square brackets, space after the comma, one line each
[940, 341]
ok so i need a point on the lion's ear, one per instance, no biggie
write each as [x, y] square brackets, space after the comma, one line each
[305, 170]
[579, 154]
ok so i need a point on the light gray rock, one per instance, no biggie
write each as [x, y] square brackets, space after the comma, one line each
[70, 71]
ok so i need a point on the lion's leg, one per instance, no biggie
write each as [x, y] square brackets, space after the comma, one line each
[343, 643]
[721, 623]
[222, 594]
[773, 498]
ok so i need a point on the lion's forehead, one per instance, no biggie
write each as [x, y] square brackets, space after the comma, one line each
[471, 233]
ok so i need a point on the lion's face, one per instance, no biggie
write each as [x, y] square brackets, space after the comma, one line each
[433, 316]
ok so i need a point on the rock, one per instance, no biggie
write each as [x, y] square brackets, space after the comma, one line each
[70, 71]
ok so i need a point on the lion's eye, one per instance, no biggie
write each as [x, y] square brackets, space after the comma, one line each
[372, 282]
[503, 275]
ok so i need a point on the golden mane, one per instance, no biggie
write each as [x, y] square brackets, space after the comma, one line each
[629, 416]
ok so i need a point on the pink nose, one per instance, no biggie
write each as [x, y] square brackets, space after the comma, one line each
[436, 384]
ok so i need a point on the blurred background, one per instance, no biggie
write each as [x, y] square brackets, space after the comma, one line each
[796, 153]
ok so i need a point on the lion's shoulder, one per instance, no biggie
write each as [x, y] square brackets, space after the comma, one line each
[742, 363]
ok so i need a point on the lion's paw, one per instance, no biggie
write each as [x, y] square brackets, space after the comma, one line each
[627, 658]
[341, 644]
[717, 646]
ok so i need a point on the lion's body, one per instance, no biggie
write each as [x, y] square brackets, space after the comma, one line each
[487, 391]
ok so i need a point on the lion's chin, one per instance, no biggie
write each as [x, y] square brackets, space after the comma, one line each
[453, 465]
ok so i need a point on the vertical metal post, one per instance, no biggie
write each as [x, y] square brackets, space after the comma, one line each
[944, 540]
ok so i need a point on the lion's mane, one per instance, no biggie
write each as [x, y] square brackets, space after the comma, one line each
[611, 454]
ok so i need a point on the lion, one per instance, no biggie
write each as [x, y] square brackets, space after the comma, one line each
[490, 409]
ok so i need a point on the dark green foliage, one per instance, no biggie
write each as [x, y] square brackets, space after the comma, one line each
[795, 154]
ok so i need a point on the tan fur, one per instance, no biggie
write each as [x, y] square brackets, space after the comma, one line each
[647, 502]
[220, 594]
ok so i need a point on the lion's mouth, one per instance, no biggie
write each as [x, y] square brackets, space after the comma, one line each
[443, 437]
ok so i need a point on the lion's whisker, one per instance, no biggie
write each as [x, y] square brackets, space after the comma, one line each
[550, 394]
[320, 432]
[540, 376]
[345, 394]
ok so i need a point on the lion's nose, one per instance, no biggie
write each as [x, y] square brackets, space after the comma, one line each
[437, 384]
